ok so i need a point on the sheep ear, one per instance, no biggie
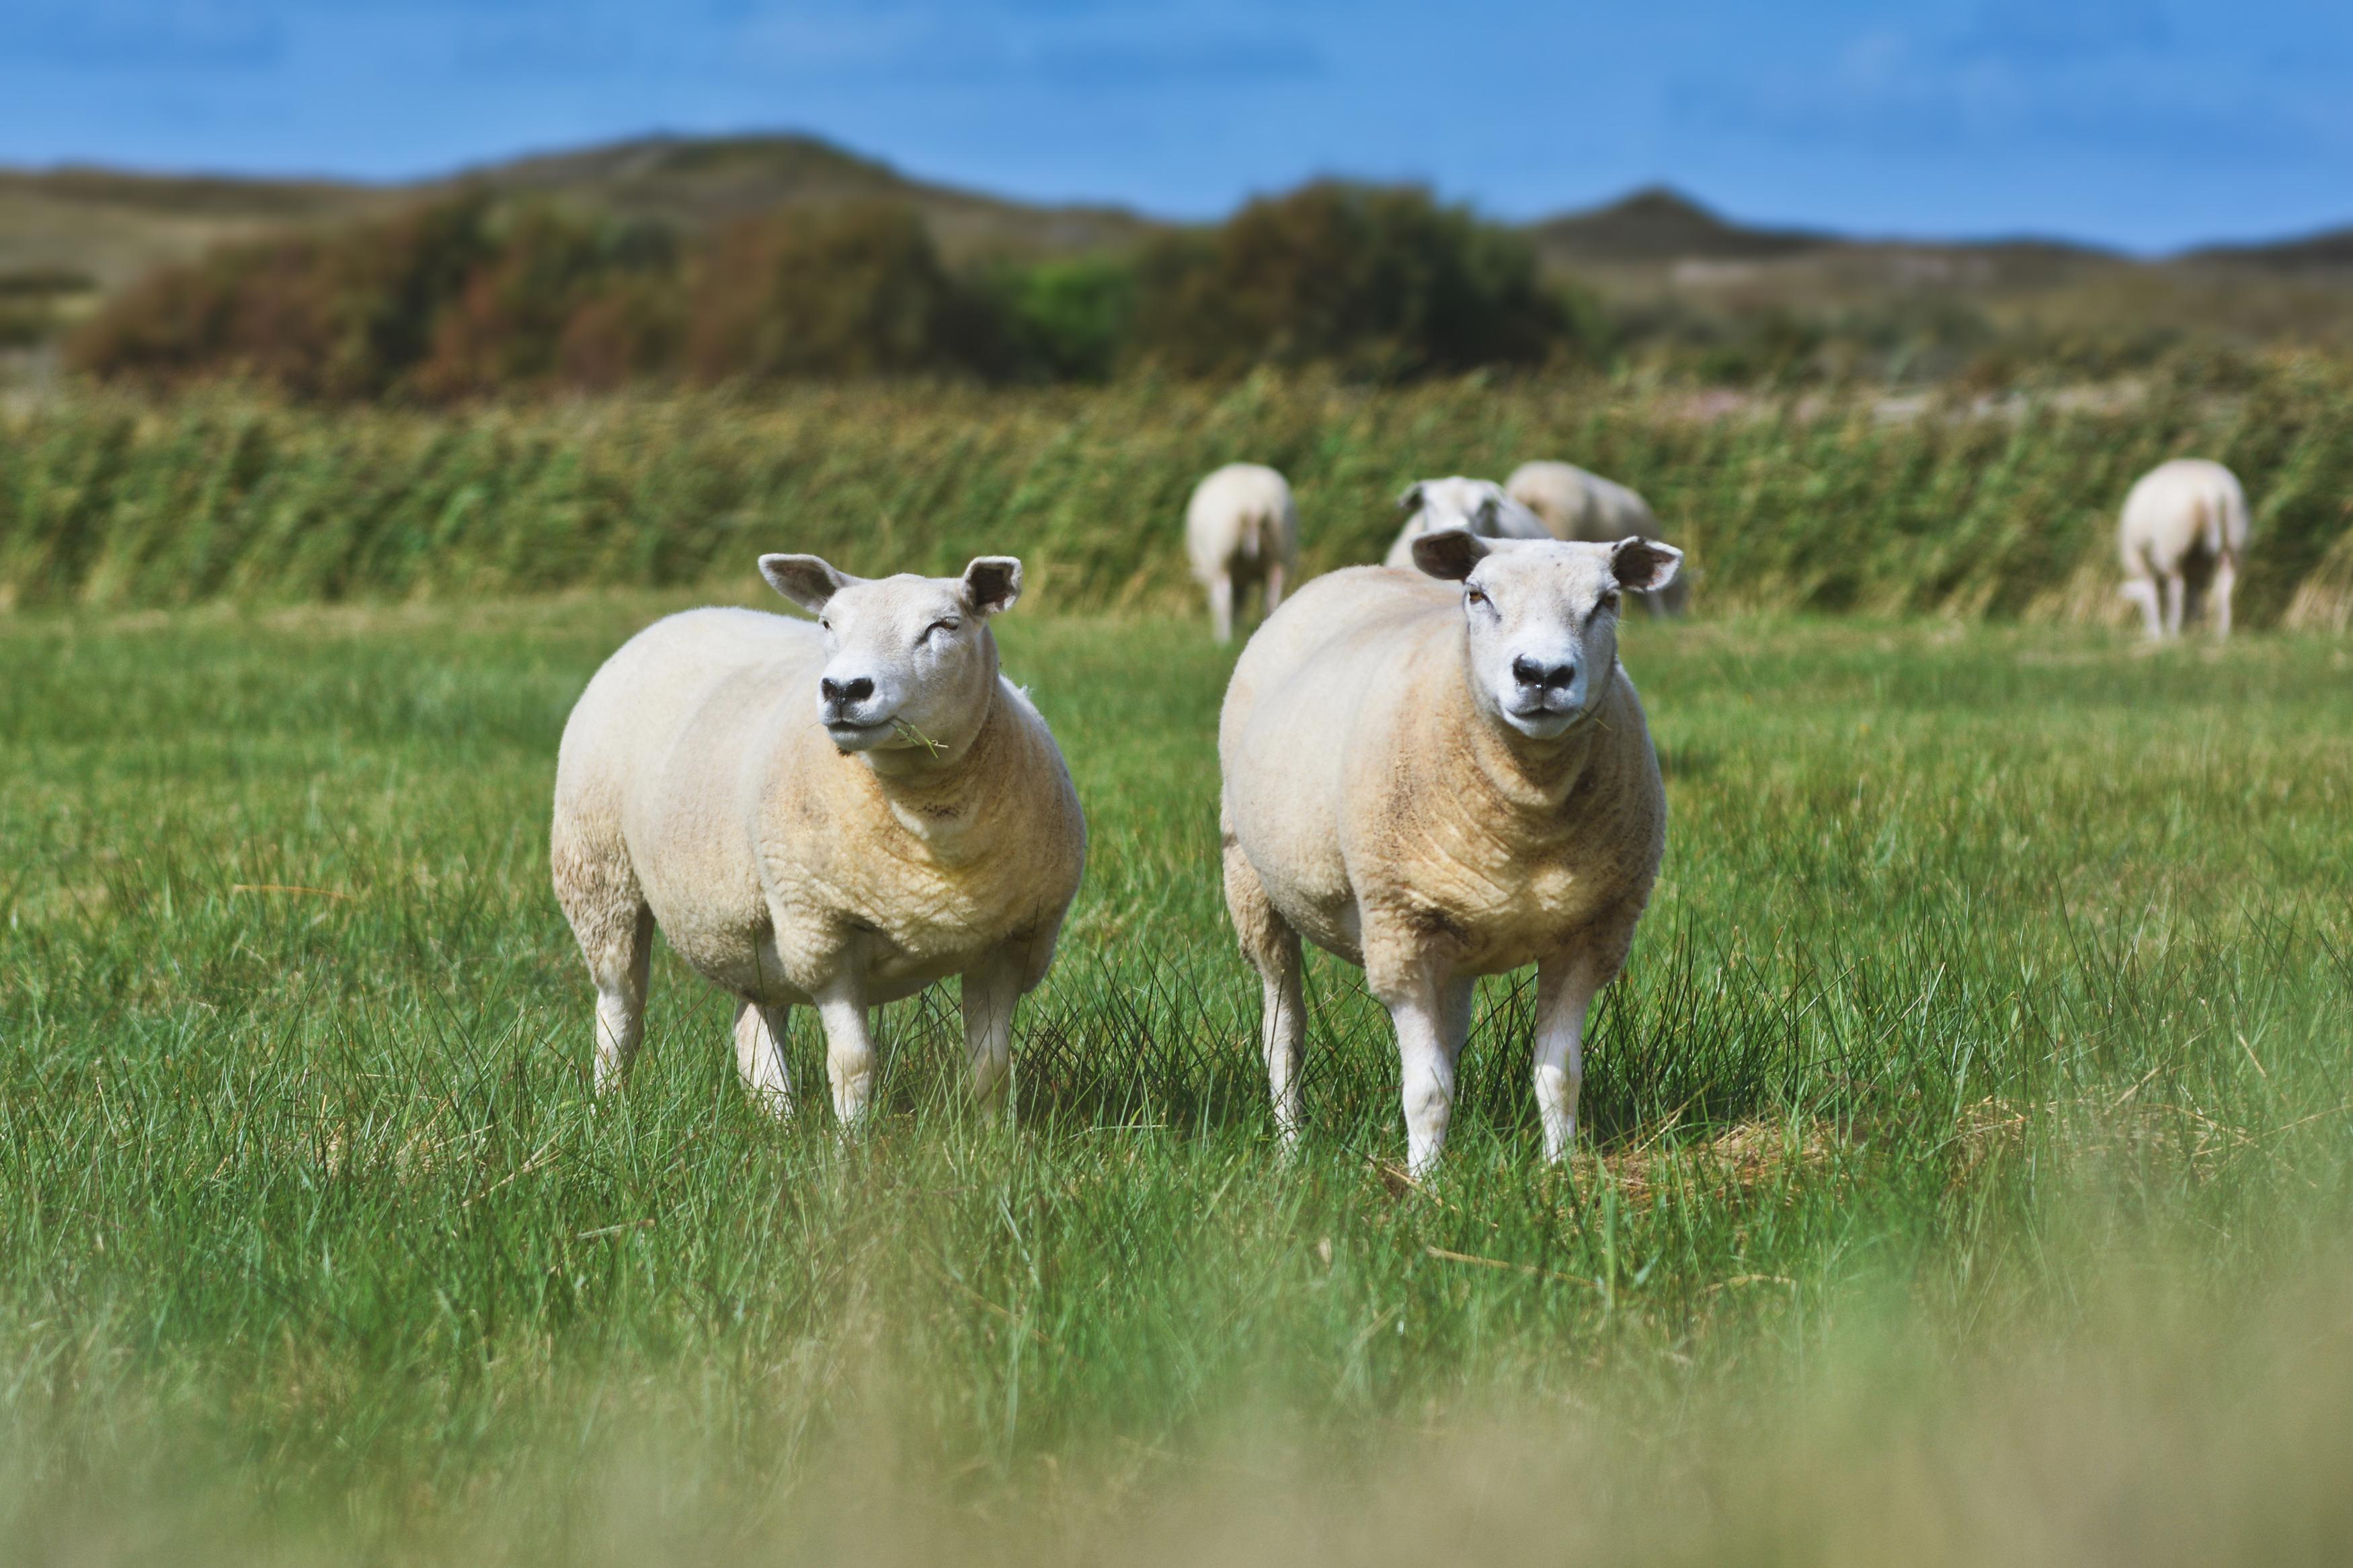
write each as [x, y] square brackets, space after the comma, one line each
[1449, 553]
[805, 580]
[992, 583]
[1409, 500]
[1643, 564]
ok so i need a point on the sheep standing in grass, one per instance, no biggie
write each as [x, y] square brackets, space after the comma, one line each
[1478, 505]
[833, 815]
[1441, 782]
[1575, 504]
[2185, 510]
[1240, 528]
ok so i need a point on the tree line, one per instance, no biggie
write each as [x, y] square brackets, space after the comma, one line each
[476, 295]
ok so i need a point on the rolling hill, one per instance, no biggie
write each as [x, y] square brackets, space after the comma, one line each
[1657, 247]
[2329, 253]
[109, 225]
[84, 231]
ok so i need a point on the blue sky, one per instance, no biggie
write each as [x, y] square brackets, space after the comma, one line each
[2147, 126]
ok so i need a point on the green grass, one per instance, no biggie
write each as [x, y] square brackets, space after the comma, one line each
[1970, 1170]
[1826, 503]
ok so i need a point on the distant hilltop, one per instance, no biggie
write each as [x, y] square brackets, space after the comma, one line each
[110, 226]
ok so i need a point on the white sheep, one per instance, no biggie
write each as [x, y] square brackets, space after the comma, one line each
[1478, 505]
[1441, 782]
[1240, 527]
[834, 815]
[1577, 504]
[2184, 510]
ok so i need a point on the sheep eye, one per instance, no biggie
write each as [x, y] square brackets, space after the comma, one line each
[1473, 596]
[940, 626]
[1610, 600]
[823, 624]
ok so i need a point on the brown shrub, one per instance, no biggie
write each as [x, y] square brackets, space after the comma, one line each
[855, 290]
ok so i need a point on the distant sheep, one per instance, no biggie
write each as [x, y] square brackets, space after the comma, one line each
[1441, 782]
[1577, 504]
[2185, 510]
[1479, 506]
[833, 815]
[1240, 527]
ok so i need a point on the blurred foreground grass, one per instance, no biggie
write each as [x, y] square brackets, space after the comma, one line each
[1971, 1173]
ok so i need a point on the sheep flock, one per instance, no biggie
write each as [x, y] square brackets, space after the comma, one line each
[1436, 768]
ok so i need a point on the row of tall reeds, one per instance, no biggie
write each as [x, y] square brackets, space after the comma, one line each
[1990, 509]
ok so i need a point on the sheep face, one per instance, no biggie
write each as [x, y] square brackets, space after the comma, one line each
[1455, 502]
[1432, 506]
[910, 663]
[1540, 619]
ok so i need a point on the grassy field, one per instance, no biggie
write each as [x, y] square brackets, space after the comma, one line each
[1970, 1171]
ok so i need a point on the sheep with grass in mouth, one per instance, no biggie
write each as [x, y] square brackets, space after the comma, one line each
[1577, 504]
[2187, 511]
[1440, 774]
[1479, 506]
[832, 815]
[1240, 528]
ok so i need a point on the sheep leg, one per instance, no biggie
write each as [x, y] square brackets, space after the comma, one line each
[1456, 1001]
[1282, 1036]
[990, 990]
[1272, 945]
[2176, 593]
[849, 1053]
[760, 1057]
[1410, 971]
[848, 1036]
[1221, 605]
[614, 927]
[1565, 991]
[622, 975]
[1419, 1006]
[2217, 595]
[2143, 591]
[1274, 589]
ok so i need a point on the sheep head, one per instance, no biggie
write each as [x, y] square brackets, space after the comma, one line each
[1540, 618]
[911, 665]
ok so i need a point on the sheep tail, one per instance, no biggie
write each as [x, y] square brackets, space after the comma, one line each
[2215, 509]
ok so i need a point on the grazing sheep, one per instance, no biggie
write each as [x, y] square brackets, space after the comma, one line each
[833, 815]
[2184, 510]
[1577, 504]
[1478, 505]
[1239, 527]
[1440, 783]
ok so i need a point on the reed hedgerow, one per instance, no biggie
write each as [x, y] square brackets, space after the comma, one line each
[1824, 503]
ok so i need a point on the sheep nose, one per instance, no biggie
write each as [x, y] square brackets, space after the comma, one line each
[1546, 677]
[839, 691]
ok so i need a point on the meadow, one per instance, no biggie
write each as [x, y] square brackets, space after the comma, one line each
[1968, 1171]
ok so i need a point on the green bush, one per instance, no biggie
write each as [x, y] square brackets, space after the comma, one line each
[1071, 320]
[1376, 281]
